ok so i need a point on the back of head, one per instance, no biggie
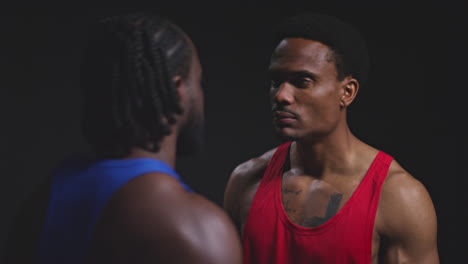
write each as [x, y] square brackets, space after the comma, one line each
[349, 48]
[130, 99]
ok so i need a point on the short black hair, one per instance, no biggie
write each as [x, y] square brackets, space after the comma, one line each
[130, 99]
[348, 46]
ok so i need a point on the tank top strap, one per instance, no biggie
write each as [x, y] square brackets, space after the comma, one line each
[371, 188]
[379, 168]
[276, 165]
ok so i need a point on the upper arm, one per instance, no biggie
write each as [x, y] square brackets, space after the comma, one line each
[210, 235]
[156, 221]
[244, 176]
[408, 222]
[233, 191]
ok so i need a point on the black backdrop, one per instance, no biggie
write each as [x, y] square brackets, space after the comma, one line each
[412, 108]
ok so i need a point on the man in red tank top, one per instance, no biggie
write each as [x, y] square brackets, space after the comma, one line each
[325, 196]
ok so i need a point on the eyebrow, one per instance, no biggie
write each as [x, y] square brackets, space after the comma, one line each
[300, 73]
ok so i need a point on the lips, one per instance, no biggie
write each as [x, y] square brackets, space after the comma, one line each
[282, 114]
[284, 118]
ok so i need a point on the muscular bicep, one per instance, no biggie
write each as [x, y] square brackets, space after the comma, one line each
[408, 223]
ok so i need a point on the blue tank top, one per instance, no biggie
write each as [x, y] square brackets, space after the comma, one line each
[80, 191]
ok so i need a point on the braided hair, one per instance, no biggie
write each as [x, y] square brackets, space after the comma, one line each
[130, 98]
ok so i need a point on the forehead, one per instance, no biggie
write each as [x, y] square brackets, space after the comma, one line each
[301, 54]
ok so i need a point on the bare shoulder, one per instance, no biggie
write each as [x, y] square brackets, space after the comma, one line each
[401, 187]
[253, 168]
[244, 175]
[406, 219]
[403, 193]
[241, 186]
[153, 218]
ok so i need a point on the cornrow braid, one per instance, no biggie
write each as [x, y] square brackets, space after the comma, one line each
[130, 98]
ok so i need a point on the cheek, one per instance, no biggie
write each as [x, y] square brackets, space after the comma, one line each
[198, 98]
[199, 104]
[271, 95]
[321, 108]
[328, 99]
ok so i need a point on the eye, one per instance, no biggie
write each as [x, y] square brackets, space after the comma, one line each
[302, 82]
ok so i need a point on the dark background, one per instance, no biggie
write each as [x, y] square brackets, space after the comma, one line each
[413, 107]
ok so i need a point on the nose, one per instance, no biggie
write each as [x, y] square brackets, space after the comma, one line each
[283, 94]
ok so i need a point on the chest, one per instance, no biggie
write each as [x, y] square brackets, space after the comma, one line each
[311, 202]
[307, 201]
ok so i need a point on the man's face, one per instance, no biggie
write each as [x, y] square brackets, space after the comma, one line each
[305, 91]
[191, 134]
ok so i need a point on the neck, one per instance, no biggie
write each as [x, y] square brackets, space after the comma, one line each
[167, 151]
[334, 153]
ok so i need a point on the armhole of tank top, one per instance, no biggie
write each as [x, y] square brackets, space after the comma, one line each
[385, 161]
[276, 163]
[268, 178]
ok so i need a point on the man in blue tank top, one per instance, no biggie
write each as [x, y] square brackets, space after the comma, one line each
[143, 107]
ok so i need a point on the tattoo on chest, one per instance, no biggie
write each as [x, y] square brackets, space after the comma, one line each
[293, 192]
[287, 194]
[332, 209]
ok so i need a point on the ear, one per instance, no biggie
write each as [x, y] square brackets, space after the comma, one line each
[350, 88]
[181, 88]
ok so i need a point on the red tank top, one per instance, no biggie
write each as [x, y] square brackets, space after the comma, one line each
[271, 237]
